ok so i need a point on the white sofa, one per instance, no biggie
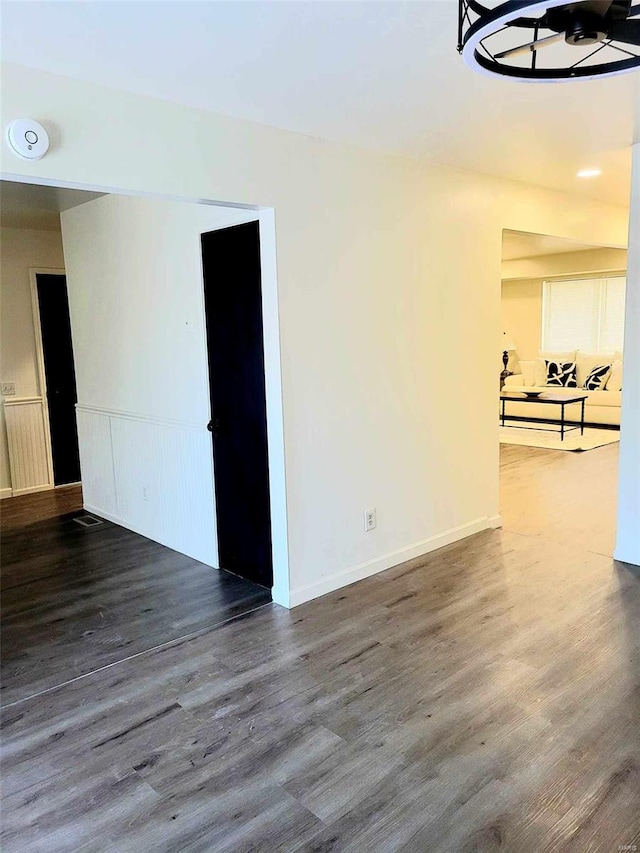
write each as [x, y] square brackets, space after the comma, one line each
[601, 407]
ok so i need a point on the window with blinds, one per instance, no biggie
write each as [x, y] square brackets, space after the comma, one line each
[586, 314]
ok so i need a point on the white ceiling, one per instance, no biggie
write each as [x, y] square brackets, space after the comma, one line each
[33, 206]
[384, 75]
[521, 244]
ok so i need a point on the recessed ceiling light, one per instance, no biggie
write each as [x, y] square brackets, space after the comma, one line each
[589, 173]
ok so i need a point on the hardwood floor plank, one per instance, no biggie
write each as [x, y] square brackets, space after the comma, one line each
[560, 501]
[52, 815]
[76, 599]
[28, 509]
[483, 698]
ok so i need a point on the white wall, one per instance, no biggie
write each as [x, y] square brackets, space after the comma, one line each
[136, 299]
[628, 534]
[133, 265]
[522, 289]
[135, 302]
[389, 283]
[20, 250]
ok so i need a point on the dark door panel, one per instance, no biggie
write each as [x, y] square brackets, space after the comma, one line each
[60, 376]
[233, 305]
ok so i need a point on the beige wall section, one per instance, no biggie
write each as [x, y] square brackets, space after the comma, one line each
[566, 263]
[522, 315]
[20, 250]
[389, 277]
[522, 296]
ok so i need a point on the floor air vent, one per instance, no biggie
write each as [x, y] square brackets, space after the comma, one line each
[88, 520]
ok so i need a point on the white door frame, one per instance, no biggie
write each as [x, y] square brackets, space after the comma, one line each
[272, 381]
[42, 376]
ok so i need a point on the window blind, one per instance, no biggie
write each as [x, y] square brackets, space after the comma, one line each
[612, 319]
[586, 314]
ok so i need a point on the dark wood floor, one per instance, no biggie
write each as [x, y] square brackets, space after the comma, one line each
[27, 509]
[485, 698]
[75, 599]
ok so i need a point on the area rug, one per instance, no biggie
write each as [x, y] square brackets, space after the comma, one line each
[572, 441]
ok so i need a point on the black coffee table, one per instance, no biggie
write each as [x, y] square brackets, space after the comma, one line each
[554, 398]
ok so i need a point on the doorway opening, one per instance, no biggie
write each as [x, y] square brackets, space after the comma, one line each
[139, 318]
[559, 366]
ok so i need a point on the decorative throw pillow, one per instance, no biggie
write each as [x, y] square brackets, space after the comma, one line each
[586, 361]
[614, 382]
[597, 378]
[561, 373]
[549, 355]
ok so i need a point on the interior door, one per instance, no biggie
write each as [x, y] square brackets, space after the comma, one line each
[55, 326]
[233, 306]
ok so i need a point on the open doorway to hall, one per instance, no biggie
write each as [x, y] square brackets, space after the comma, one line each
[560, 361]
[130, 559]
[38, 431]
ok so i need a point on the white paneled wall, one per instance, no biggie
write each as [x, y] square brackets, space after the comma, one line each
[28, 452]
[152, 475]
[96, 462]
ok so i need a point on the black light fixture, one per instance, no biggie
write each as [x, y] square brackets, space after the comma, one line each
[550, 41]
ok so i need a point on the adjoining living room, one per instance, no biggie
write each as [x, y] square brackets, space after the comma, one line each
[560, 373]
[561, 347]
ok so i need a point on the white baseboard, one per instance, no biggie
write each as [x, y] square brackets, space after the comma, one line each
[364, 570]
[6, 493]
[495, 521]
[94, 510]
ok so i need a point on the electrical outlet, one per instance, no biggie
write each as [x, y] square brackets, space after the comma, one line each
[370, 519]
[8, 389]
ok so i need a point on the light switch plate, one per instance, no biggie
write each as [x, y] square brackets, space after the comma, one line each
[8, 389]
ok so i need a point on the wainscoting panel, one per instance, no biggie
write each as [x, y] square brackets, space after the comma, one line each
[151, 475]
[28, 453]
[96, 461]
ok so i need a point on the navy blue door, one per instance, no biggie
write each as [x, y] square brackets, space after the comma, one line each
[233, 305]
[60, 376]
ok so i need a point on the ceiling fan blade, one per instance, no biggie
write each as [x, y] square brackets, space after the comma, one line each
[595, 7]
[625, 31]
[530, 46]
[598, 7]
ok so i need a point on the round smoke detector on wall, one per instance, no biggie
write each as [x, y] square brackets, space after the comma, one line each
[28, 139]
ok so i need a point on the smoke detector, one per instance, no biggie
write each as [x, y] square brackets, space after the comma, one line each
[27, 139]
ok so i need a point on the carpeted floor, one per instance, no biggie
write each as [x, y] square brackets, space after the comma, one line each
[525, 434]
